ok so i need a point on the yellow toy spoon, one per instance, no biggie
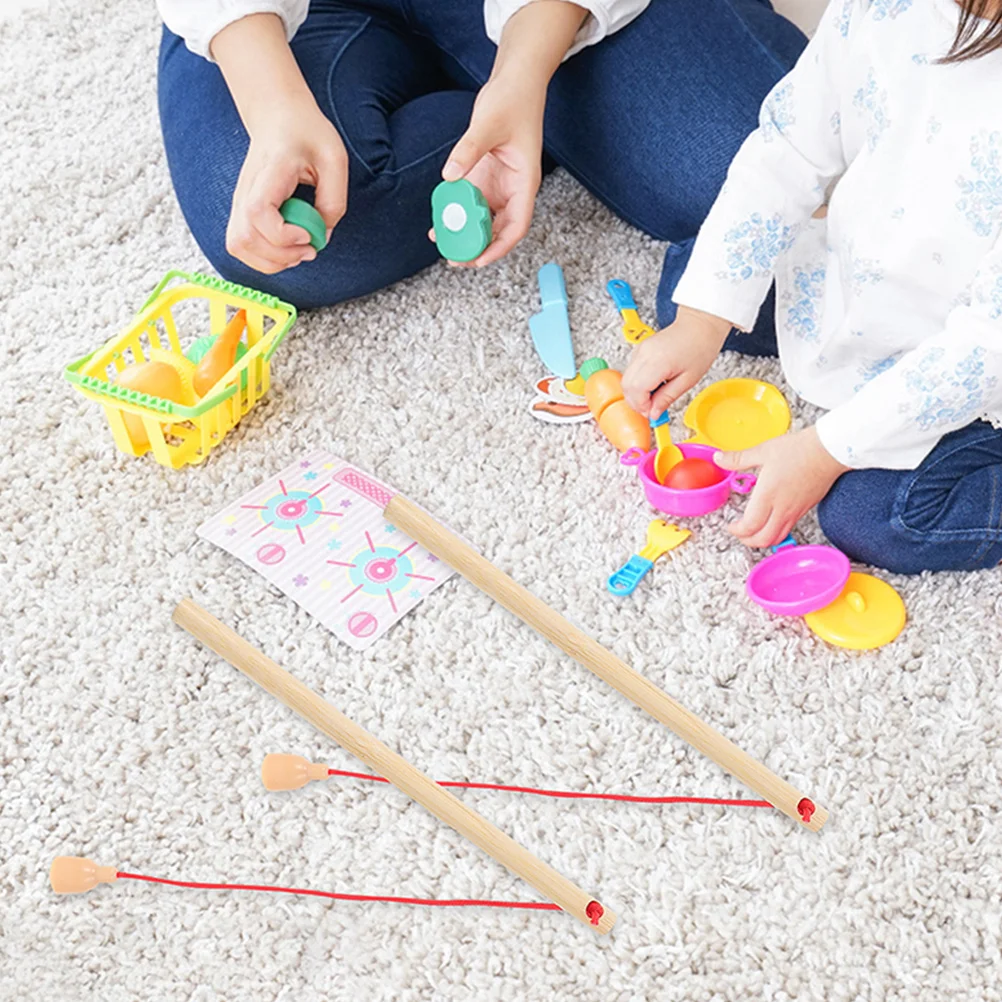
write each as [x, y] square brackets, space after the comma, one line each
[668, 454]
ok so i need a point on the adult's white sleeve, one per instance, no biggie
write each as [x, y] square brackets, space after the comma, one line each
[779, 178]
[604, 18]
[945, 383]
[199, 21]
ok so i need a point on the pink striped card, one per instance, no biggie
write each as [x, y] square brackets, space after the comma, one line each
[317, 532]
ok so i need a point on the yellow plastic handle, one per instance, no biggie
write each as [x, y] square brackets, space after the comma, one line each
[855, 601]
[634, 329]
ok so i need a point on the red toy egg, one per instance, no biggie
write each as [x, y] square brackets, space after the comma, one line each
[691, 474]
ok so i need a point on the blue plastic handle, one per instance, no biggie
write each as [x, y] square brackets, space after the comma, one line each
[552, 290]
[622, 294]
[663, 418]
[626, 579]
[789, 541]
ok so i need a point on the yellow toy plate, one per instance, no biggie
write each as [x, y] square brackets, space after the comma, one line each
[869, 613]
[737, 414]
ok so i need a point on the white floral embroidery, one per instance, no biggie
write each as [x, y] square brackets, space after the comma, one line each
[962, 298]
[933, 128]
[863, 271]
[843, 17]
[777, 112]
[754, 246]
[928, 380]
[988, 292]
[874, 101]
[803, 303]
[871, 370]
[882, 9]
[981, 203]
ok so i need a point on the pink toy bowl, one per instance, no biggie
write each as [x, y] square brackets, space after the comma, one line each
[797, 580]
[699, 500]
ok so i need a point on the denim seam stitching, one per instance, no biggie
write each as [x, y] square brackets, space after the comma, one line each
[757, 41]
[988, 542]
[395, 171]
[330, 94]
[948, 534]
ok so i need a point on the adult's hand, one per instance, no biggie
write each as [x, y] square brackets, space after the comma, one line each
[299, 147]
[291, 142]
[502, 150]
[501, 153]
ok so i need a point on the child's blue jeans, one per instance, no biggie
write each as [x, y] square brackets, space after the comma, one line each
[648, 121]
[946, 515]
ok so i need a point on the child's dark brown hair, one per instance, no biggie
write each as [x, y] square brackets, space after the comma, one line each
[978, 32]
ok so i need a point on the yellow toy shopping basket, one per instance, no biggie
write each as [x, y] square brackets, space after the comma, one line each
[187, 431]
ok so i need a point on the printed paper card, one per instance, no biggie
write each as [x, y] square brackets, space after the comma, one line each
[317, 531]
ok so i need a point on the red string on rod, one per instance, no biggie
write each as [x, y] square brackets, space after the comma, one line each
[538, 906]
[570, 795]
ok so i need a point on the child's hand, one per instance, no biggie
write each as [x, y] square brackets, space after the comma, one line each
[501, 153]
[795, 473]
[296, 145]
[664, 366]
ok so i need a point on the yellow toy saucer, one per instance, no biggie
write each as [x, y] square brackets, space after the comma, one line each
[737, 414]
[869, 613]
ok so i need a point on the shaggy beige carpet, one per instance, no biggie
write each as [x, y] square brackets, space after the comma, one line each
[122, 740]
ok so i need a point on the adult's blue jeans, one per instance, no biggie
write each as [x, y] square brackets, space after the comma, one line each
[944, 515]
[648, 121]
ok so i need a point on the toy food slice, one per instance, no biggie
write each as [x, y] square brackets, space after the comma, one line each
[300, 213]
[461, 220]
[869, 613]
[561, 412]
[737, 414]
[155, 378]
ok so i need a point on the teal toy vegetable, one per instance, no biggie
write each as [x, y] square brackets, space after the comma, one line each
[300, 213]
[461, 219]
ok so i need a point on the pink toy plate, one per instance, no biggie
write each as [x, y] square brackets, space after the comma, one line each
[797, 580]
[700, 500]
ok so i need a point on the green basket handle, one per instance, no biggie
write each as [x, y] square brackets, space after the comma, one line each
[233, 289]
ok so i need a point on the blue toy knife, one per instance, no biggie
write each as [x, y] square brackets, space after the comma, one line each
[551, 328]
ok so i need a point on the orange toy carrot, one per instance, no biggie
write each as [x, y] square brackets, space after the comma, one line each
[220, 358]
[618, 421]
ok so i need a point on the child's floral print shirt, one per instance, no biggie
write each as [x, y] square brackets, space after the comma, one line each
[889, 310]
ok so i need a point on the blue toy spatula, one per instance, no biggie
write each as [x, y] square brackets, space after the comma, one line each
[551, 328]
[661, 537]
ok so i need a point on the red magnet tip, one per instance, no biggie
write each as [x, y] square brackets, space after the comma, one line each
[594, 911]
[806, 810]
